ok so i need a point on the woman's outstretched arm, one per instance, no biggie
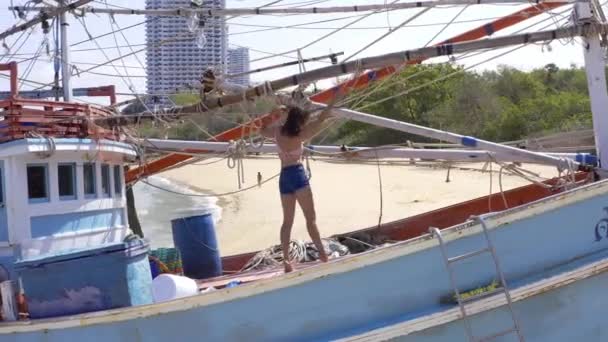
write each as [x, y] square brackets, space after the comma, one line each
[315, 126]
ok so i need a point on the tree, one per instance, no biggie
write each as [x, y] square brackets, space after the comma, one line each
[420, 96]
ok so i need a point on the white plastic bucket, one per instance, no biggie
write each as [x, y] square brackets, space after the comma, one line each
[167, 287]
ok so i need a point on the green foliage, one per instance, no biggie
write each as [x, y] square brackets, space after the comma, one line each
[184, 99]
[502, 105]
[415, 107]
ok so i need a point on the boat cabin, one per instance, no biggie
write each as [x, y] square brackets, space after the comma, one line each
[64, 194]
[61, 179]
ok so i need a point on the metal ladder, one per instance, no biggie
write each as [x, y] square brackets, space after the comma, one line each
[462, 302]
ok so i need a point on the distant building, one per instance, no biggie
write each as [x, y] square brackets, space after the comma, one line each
[238, 62]
[174, 65]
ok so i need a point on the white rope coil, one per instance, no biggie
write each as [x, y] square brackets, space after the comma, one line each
[236, 152]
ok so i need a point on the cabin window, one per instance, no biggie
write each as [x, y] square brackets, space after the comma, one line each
[66, 177]
[105, 179]
[117, 180]
[37, 185]
[88, 172]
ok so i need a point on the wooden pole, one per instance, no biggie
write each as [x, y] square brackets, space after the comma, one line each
[12, 69]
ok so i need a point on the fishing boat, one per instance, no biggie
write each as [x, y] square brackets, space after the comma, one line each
[529, 263]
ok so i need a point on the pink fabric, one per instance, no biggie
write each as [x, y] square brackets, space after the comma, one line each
[288, 156]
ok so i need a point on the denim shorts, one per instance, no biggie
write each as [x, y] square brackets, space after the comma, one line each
[292, 179]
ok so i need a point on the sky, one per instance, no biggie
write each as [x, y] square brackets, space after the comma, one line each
[273, 38]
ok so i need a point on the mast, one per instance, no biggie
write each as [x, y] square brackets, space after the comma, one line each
[595, 66]
[65, 54]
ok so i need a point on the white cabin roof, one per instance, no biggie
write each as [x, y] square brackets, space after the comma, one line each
[24, 146]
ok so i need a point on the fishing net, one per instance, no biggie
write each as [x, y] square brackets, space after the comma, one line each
[299, 251]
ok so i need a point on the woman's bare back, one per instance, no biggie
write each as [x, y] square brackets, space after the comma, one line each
[290, 148]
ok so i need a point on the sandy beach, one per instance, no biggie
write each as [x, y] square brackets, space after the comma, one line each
[347, 195]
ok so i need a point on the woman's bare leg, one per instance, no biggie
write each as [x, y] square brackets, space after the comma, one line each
[289, 207]
[304, 197]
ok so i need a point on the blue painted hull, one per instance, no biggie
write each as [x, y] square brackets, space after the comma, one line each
[384, 287]
[570, 313]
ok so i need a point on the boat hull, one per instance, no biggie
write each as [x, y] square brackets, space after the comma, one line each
[372, 290]
[570, 313]
[566, 307]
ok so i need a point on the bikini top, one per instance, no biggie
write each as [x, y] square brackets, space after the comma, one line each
[293, 155]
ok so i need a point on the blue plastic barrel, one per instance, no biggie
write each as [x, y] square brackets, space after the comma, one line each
[77, 281]
[194, 238]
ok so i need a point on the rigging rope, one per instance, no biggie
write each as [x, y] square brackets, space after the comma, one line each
[447, 25]
[127, 81]
[237, 150]
[9, 55]
[358, 19]
[380, 190]
[386, 81]
[32, 62]
[109, 33]
[392, 30]
[211, 195]
[162, 42]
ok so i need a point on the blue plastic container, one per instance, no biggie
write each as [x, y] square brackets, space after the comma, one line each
[106, 277]
[194, 238]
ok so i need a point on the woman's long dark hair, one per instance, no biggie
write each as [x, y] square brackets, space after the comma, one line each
[296, 118]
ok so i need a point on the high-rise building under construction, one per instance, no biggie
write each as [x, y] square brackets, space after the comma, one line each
[175, 56]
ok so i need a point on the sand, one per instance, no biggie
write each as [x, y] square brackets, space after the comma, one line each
[347, 195]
